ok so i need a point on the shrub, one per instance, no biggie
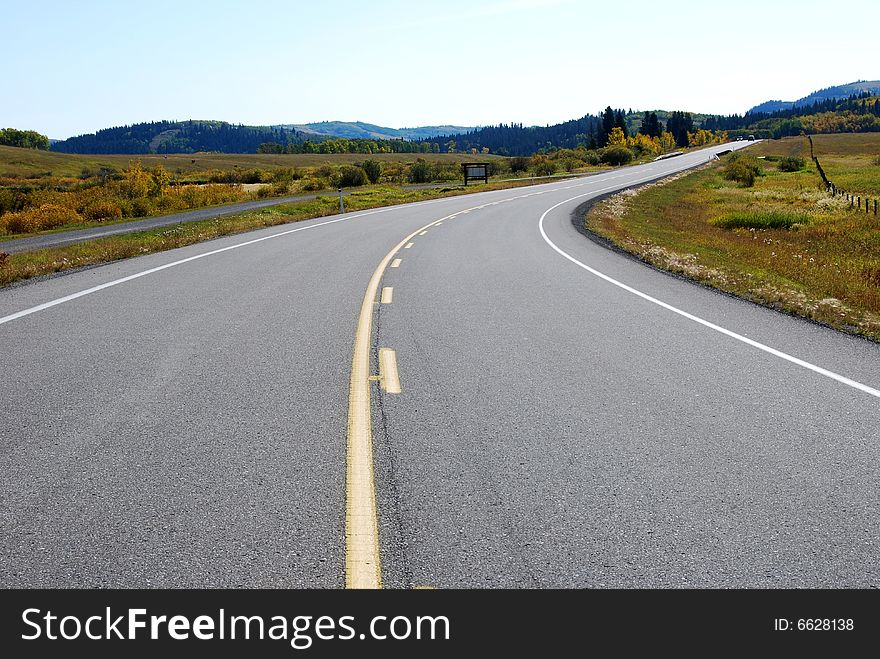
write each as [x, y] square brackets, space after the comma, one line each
[51, 216]
[791, 164]
[98, 211]
[616, 155]
[312, 184]
[760, 220]
[519, 164]
[281, 188]
[445, 172]
[543, 166]
[373, 169]
[498, 167]
[284, 175]
[592, 158]
[254, 176]
[350, 176]
[7, 201]
[142, 207]
[20, 222]
[743, 169]
[420, 172]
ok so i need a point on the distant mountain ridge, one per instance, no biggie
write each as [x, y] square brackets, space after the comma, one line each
[361, 130]
[829, 93]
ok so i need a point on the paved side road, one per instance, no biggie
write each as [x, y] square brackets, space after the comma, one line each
[79, 235]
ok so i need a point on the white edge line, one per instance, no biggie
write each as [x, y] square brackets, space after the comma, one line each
[739, 337]
[73, 296]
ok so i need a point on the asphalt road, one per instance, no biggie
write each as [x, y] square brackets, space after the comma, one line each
[187, 426]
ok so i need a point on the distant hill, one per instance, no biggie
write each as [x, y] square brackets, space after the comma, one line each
[361, 130]
[178, 137]
[829, 93]
[859, 113]
[193, 136]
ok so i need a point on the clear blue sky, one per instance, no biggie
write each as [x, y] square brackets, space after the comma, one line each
[75, 67]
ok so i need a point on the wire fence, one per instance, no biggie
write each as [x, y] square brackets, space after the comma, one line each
[855, 201]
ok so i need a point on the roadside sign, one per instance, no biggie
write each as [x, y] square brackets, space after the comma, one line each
[476, 170]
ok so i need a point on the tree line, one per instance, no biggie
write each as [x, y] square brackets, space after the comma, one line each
[25, 139]
[177, 137]
[858, 113]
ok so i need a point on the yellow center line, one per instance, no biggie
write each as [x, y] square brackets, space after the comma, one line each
[387, 294]
[396, 263]
[363, 567]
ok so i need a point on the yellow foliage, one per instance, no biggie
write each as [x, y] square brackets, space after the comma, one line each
[616, 137]
[645, 143]
[667, 141]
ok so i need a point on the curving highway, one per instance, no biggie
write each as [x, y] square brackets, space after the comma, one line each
[458, 393]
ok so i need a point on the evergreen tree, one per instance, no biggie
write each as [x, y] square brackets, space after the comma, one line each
[651, 125]
[620, 122]
[606, 126]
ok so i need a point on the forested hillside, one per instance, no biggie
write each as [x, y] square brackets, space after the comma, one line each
[178, 137]
[857, 114]
[835, 93]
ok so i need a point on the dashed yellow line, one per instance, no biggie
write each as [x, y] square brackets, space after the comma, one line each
[389, 379]
[408, 245]
[387, 294]
[423, 233]
[396, 263]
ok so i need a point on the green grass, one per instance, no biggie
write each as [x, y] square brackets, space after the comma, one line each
[849, 159]
[784, 243]
[760, 220]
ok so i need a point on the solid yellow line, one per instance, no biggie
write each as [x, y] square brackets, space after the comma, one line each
[363, 567]
[396, 263]
[389, 379]
[408, 245]
[387, 295]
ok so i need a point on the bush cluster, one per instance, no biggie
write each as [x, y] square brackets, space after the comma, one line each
[616, 155]
[760, 220]
[743, 169]
[791, 164]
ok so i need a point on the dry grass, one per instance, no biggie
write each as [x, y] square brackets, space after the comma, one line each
[825, 266]
[18, 163]
[25, 265]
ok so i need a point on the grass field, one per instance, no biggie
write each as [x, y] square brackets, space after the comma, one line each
[21, 163]
[851, 161]
[784, 243]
